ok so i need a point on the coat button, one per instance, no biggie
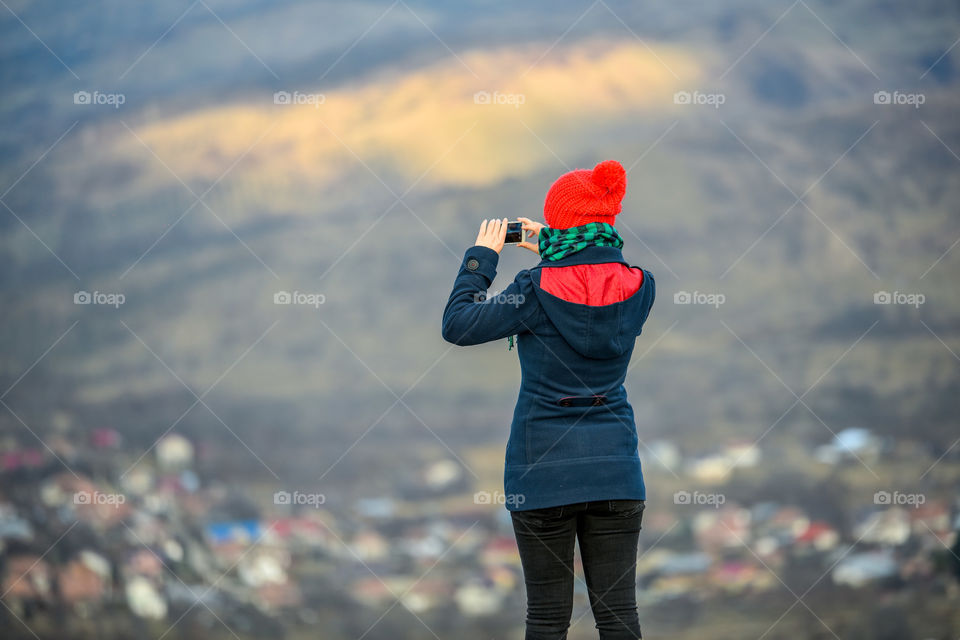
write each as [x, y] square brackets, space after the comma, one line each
[473, 264]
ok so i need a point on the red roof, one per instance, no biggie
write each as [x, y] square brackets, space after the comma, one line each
[814, 531]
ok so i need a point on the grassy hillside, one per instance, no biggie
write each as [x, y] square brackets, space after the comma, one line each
[304, 198]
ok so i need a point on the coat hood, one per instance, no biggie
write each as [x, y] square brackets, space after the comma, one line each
[594, 329]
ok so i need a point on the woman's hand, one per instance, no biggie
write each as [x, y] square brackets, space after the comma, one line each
[492, 235]
[531, 230]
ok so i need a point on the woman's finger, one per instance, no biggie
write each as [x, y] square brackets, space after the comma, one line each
[482, 232]
[493, 230]
[529, 246]
[530, 225]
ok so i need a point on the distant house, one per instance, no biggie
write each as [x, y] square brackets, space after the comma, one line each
[144, 599]
[423, 545]
[376, 508]
[857, 569]
[478, 598]
[820, 536]
[246, 531]
[736, 576]
[663, 453]
[728, 527]
[500, 550]
[102, 507]
[84, 579]
[28, 578]
[888, 527]
[501, 577]
[426, 594]
[174, 452]
[29, 458]
[372, 592]
[368, 545]
[716, 468]
[272, 596]
[783, 523]
[230, 540]
[138, 480]
[666, 574]
[711, 469]
[442, 474]
[13, 526]
[307, 532]
[264, 566]
[144, 562]
[932, 517]
[671, 563]
[742, 454]
[105, 438]
[852, 443]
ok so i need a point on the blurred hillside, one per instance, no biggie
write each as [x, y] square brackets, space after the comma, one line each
[199, 198]
[200, 460]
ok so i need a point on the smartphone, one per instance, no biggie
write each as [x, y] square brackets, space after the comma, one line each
[514, 232]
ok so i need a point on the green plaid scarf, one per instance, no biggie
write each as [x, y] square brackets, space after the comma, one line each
[557, 243]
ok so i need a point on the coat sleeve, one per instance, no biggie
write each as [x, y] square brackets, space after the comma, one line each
[649, 292]
[471, 318]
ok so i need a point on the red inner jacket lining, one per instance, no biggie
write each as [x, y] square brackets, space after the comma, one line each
[592, 284]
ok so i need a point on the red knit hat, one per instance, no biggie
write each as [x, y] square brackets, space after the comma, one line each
[583, 196]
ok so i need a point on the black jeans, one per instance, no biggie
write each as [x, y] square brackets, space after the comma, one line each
[608, 531]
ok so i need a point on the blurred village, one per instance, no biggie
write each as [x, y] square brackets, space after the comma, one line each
[86, 528]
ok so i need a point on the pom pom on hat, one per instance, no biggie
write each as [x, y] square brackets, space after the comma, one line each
[585, 195]
[611, 176]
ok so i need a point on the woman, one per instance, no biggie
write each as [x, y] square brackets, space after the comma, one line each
[572, 468]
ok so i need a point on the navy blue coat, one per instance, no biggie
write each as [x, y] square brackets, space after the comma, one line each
[573, 437]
